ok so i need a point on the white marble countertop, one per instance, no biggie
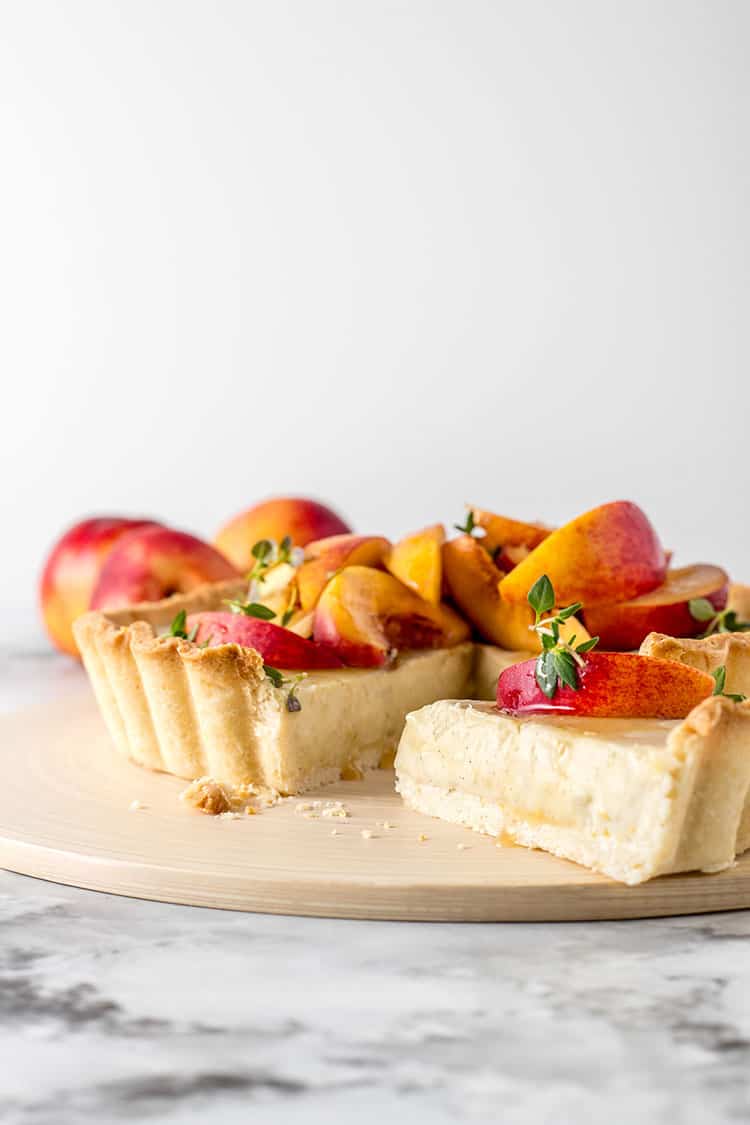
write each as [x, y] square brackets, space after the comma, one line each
[113, 1009]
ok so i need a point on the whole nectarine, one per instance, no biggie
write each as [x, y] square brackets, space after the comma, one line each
[295, 516]
[72, 569]
[153, 563]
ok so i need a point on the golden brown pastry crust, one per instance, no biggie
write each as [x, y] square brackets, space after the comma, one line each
[731, 650]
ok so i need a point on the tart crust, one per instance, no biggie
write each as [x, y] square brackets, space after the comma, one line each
[732, 650]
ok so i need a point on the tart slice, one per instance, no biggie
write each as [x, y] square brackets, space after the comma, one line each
[632, 765]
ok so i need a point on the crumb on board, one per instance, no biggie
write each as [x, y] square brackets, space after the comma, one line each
[421, 837]
[367, 834]
[136, 806]
[462, 847]
[231, 802]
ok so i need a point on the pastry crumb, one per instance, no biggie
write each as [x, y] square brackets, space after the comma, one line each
[231, 802]
[335, 809]
[136, 806]
[335, 832]
[421, 837]
[367, 834]
[462, 847]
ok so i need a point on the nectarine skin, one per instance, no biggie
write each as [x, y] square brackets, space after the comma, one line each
[624, 625]
[153, 563]
[277, 646]
[302, 519]
[72, 570]
[612, 685]
[608, 554]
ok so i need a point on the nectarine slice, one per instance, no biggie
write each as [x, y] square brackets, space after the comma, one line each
[417, 562]
[473, 582]
[366, 614]
[277, 646]
[611, 685]
[611, 553]
[325, 556]
[502, 531]
[624, 625]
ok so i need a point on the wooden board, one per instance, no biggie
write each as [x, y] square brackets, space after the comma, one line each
[65, 816]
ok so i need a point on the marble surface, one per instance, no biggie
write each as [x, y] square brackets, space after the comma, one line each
[113, 1009]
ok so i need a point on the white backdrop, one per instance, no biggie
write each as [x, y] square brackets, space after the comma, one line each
[396, 255]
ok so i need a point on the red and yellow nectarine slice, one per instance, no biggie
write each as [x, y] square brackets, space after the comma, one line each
[611, 685]
[324, 557]
[611, 553]
[473, 582]
[416, 561]
[277, 646]
[502, 531]
[72, 570]
[364, 614]
[301, 519]
[153, 563]
[624, 625]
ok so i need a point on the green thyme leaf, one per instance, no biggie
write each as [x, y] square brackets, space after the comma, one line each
[252, 609]
[728, 623]
[545, 673]
[468, 527]
[566, 668]
[274, 675]
[564, 614]
[193, 633]
[701, 609]
[541, 596]
[177, 628]
[263, 549]
[720, 679]
[586, 646]
[287, 615]
[285, 549]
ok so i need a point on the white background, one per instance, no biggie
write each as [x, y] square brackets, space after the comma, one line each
[396, 255]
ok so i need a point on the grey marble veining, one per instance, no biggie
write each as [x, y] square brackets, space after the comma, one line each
[117, 1010]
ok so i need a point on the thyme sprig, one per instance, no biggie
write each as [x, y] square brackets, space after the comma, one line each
[470, 525]
[560, 660]
[278, 679]
[177, 628]
[718, 620]
[268, 553]
[720, 678]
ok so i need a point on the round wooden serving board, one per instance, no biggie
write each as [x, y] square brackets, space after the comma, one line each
[65, 815]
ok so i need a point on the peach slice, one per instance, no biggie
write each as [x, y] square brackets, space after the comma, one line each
[153, 563]
[623, 625]
[609, 554]
[301, 519]
[473, 582]
[277, 646]
[416, 561]
[324, 557]
[611, 685]
[502, 531]
[72, 570]
[364, 614]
